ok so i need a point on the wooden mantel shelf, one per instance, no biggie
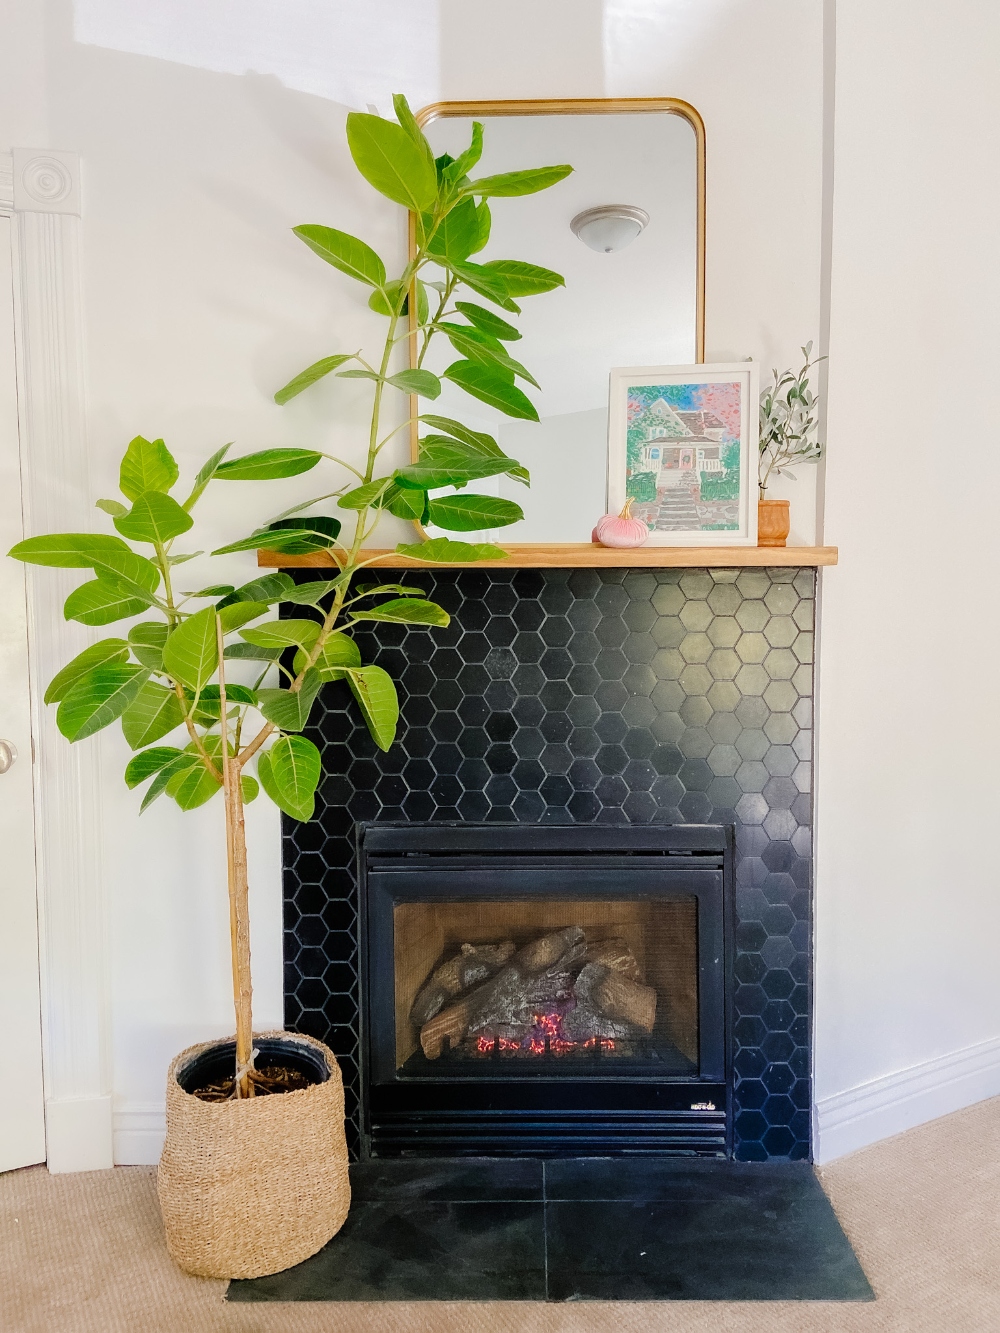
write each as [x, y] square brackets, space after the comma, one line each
[588, 555]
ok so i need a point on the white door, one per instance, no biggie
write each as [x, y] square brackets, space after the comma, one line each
[22, 1126]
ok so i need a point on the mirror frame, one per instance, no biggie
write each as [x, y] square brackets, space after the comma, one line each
[568, 106]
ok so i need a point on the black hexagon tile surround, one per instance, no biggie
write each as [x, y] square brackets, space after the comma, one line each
[608, 696]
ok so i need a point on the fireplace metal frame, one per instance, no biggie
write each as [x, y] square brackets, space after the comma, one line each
[634, 1112]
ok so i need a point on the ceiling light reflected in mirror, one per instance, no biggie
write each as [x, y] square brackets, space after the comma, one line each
[609, 227]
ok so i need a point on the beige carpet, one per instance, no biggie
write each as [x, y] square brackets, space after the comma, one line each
[84, 1254]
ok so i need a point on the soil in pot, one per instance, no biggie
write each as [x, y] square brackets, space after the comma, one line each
[212, 1077]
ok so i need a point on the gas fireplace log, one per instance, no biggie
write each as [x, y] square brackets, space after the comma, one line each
[582, 1024]
[450, 1024]
[614, 996]
[509, 1004]
[473, 964]
[566, 946]
[615, 954]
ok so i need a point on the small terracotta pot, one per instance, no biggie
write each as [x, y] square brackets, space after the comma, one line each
[772, 522]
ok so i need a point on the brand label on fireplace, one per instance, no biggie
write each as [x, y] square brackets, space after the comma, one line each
[703, 1106]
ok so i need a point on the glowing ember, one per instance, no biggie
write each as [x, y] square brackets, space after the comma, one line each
[546, 1034]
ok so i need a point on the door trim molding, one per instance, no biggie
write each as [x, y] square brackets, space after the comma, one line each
[41, 189]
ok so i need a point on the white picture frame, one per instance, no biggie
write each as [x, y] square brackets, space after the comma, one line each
[688, 483]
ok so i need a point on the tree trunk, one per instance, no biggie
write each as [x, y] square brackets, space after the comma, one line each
[239, 905]
[239, 924]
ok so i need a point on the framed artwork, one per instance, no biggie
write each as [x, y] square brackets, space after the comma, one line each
[682, 446]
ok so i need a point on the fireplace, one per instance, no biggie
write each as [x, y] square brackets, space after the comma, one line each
[604, 699]
[545, 989]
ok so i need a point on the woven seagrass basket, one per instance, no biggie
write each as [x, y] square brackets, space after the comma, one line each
[253, 1186]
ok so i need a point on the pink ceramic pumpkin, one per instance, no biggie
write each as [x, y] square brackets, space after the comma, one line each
[620, 529]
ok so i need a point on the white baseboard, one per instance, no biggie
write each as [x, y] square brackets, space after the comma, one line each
[78, 1134]
[139, 1131]
[886, 1106]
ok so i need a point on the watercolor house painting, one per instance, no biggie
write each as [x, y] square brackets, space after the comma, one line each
[683, 456]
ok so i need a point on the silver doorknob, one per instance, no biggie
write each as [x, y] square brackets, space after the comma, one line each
[7, 755]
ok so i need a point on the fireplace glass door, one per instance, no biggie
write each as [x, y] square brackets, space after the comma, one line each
[554, 986]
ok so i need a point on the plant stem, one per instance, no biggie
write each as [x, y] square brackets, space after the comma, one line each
[239, 906]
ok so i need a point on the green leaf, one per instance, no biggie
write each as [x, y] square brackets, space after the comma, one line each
[404, 589]
[191, 653]
[268, 588]
[468, 513]
[376, 695]
[416, 381]
[481, 280]
[408, 121]
[206, 474]
[493, 386]
[483, 347]
[437, 451]
[112, 507]
[283, 634]
[428, 476]
[358, 374]
[371, 493]
[309, 376]
[386, 301]
[155, 518]
[100, 603]
[344, 252]
[98, 698]
[252, 652]
[144, 765]
[158, 786]
[311, 594]
[125, 567]
[391, 161]
[442, 550]
[183, 559]
[288, 541]
[206, 712]
[467, 160]
[484, 224]
[525, 279]
[488, 322]
[154, 712]
[339, 651]
[289, 772]
[457, 233]
[511, 183]
[406, 611]
[474, 438]
[268, 465]
[406, 504]
[148, 465]
[216, 590]
[111, 651]
[251, 788]
[193, 786]
[147, 640]
[241, 613]
[66, 550]
[290, 709]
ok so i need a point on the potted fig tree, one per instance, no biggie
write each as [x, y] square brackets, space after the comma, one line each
[251, 1182]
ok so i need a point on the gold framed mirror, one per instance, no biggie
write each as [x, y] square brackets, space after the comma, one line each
[637, 302]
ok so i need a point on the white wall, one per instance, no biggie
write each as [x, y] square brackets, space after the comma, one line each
[908, 888]
[199, 303]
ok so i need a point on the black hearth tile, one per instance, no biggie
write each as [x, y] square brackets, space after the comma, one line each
[744, 1248]
[671, 1179]
[448, 1179]
[419, 1251]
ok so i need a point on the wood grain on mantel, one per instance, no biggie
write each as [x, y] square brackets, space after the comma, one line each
[586, 555]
